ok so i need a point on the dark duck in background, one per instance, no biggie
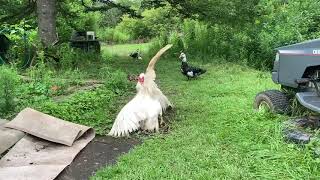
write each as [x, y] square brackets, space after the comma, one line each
[189, 71]
[136, 55]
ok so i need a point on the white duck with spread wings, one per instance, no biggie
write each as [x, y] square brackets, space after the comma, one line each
[143, 111]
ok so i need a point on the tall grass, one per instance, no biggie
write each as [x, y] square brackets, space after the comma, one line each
[198, 39]
[9, 81]
[114, 35]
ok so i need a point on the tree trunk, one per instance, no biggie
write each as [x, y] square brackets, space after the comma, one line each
[46, 10]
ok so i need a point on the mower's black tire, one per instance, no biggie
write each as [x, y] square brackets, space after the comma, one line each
[275, 100]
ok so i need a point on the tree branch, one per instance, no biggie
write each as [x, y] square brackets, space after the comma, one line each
[109, 5]
[153, 4]
[185, 9]
[19, 14]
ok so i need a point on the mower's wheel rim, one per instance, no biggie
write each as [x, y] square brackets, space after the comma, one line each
[264, 107]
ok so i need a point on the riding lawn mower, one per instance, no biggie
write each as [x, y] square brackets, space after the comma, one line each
[297, 69]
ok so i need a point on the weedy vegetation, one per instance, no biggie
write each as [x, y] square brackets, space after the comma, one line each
[214, 133]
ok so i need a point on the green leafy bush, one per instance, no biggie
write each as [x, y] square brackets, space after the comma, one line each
[275, 23]
[135, 27]
[95, 108]
[282, 23]
[23, 38]
[158, 20]
[9, 80]
[114, 35]
[87, 108]
[71, 58]
[40, 76]
[71, 16]
[154, 22]
[115, 80]
[105, 34]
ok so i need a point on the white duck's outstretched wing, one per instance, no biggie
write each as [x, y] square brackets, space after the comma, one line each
[150, 73]
[128, 119]
[163, 100]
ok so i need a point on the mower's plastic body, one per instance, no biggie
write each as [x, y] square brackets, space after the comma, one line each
[293, 62]
[293, 68]
[310, 100]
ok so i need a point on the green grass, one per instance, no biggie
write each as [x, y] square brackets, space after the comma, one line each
[215, 134]
[125, 49]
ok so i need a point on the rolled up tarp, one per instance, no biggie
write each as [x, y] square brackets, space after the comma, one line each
[8, 136]
[50, 146]
[47, 127]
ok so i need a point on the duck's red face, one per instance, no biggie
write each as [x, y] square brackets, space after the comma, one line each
[141, 78]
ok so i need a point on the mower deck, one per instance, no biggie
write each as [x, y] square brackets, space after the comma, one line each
[310, 100]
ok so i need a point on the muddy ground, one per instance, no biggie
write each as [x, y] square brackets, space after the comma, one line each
[100, 152]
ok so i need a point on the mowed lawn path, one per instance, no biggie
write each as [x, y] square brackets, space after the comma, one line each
[215, 134]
